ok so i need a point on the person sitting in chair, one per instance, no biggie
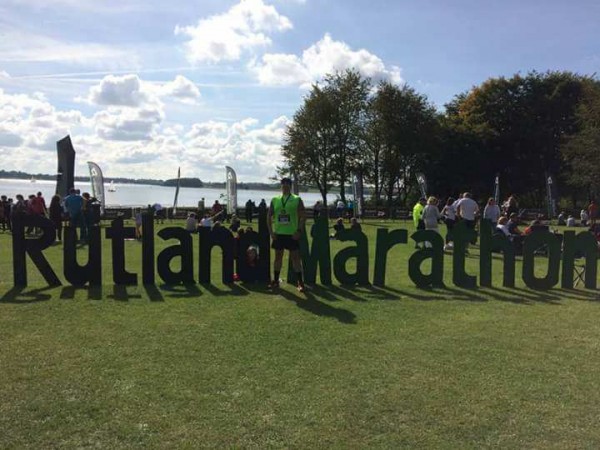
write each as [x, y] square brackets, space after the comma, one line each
[338, 227]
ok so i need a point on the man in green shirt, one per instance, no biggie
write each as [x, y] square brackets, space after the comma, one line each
[285, 219]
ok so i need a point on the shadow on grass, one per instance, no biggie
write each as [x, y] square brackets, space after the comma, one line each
[19, 294]
[479, 294]
[309, 302]
[227, 289]
[336, 293]
[121, 293]
[93, 292]
[189, 290]
[153, 293]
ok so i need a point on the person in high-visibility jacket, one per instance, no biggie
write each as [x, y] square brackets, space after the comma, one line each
[285, 220]
[417, 214]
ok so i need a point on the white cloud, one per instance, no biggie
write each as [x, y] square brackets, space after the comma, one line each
[4, 75]
[129, 90]
[31, 121]
[123, 90]
[181, 89]
[243, 27]
[135, 142]
[128, 124]
[324, 57]
[252, 150]
[281, 69]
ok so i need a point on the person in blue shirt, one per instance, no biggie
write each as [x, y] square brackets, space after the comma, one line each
[74, 207]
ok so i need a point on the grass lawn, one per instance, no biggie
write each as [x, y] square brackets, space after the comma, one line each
[347, 367]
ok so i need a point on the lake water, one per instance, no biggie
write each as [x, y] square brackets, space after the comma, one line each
[143, 194]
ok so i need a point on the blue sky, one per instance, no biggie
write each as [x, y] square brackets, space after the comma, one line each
[146, 86]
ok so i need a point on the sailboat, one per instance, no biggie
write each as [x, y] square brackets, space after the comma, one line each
[32, 179]
[111, 187]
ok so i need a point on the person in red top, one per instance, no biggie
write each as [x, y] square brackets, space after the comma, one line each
[216, 209]
[593, 212]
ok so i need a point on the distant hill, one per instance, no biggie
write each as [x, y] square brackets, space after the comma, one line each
[184, 182]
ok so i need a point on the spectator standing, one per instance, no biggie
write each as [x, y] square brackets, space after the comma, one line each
[467, 209]
[249, 210]
[5, 205]
[74, 205]
[417, 214]
[593, 212]
[56, 215]
[3, 201]
[491, 211]
[159, 213]
[262, 206]
[431, 214]
[339, 209]
[317, 209]
[449, 214]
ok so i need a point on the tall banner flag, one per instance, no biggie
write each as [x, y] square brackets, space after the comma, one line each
[177, 191]
[97, 182]
[497, 190]
[358, 195]
[550, 196]
[422, 184]
[231, 185]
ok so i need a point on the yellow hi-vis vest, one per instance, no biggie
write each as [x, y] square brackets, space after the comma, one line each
[285, 214]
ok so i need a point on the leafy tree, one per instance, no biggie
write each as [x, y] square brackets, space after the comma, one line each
[348, 92]
[309, 142]
[515, 127]
[401, 135]
[582, 150]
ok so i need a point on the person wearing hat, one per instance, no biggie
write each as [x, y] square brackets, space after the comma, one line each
[285, 220]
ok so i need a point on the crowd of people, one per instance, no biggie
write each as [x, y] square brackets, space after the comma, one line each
[76, 209]
[505, 218]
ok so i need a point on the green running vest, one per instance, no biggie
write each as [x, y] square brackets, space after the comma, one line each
[285, 214]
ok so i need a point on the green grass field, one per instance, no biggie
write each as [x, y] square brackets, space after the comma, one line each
[346, 367]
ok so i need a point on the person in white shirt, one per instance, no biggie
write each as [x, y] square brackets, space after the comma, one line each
[583, 215]
[206, 221]
[571, 221]
[449, 214]
[191, 223]
[467, 210]
[491, 211]
[503, 226]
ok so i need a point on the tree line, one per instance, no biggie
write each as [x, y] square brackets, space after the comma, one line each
[522, 128]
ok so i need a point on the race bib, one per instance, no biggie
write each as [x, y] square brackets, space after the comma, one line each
[283, 218]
